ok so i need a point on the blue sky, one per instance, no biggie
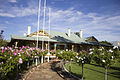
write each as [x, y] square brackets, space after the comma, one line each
[99, 18]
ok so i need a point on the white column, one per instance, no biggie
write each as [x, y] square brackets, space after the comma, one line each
[36, 62]
[48, 56]
[42, 59]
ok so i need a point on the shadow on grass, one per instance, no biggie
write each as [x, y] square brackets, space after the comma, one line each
[65, 75]
[114, 74]
[112, 67]
[115, 68]
[78, 75]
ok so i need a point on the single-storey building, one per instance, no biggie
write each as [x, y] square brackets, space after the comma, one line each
[57, 40]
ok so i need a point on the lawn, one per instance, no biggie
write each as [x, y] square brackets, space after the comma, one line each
[95, 72]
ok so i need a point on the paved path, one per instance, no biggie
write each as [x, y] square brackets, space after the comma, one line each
[44, 72]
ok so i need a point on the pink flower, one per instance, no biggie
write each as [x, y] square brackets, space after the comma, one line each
[5, 48]
[42, 50]
[14, 53]
[19, 54]
[27, 55]
[10, 48]
[3, 51]
[20, 60]
[20, 50]
[23, 46]
[52, 51]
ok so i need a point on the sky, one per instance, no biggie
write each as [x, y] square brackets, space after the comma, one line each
[99, 18]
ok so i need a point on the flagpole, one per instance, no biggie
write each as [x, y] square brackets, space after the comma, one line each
[38, 22]
[49, 35]
[43, 30]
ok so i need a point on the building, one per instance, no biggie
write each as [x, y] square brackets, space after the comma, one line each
[57, 40]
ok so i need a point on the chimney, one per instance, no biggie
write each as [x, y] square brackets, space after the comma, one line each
[25, 34]
[29, 30]
[81, 33]
[69, 32]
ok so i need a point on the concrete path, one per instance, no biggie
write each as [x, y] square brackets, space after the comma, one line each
[44, 72]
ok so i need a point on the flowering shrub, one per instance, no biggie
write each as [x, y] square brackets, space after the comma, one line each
[105, 57]
[66, 55]
[10, 57]
[82, 57]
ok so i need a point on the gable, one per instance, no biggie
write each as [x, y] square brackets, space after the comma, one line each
[91, 39]
[40, 33]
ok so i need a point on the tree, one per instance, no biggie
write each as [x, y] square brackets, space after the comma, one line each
[105, 57]
[2, 41]
[66, 56]
[70, 55]
[105, 42]
[82, 58]
[1, 34]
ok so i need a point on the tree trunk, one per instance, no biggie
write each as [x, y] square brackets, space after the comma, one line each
[82, 71]
[61, 63]
[105, 73]
[70, 66]
[28, 64]
[33, 60]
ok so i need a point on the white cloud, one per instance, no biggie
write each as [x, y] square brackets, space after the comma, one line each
[6, 15]
[101, 26]
[18, 11]
[93, 24]
[13, 1]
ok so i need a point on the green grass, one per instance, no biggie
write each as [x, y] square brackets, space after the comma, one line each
[95, 72]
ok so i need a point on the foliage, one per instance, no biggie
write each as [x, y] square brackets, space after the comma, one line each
[82, 57]
[3, 42]
[10, 57]
[105, 42]
[1, 34]
[105, 57]
[66, 55]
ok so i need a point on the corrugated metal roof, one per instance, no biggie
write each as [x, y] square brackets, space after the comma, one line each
[57, 37]
[62, 36]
